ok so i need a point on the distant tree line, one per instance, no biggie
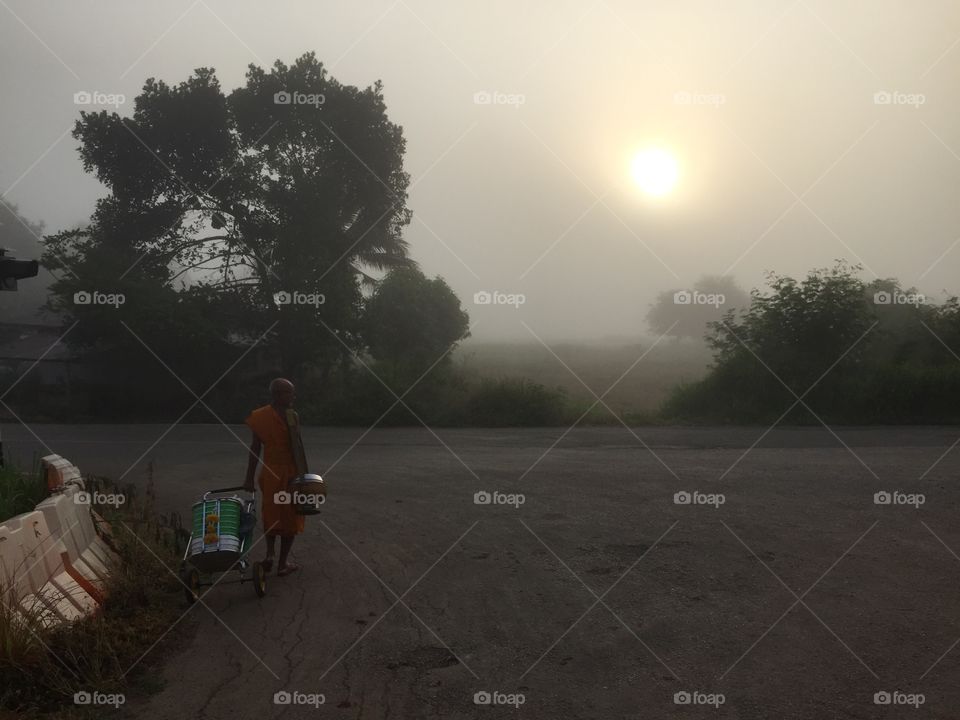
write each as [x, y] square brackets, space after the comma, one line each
[830, 347]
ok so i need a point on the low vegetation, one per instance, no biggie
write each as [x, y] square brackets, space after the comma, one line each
[43, 666]
[19, 491]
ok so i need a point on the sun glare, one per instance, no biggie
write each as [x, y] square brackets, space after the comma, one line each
[655, 171]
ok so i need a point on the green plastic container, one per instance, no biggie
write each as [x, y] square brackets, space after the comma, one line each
[219, 549]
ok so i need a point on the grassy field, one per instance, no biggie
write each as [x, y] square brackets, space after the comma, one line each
[596, 365]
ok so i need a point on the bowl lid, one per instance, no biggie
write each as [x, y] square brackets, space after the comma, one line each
[309, 478]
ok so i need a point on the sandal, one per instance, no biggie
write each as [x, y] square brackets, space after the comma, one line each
[287, 569]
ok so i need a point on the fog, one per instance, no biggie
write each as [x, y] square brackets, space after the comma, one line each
[803, 131]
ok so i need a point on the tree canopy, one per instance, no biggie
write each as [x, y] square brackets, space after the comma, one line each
[687, 313]
[411, 323]
[224, 210]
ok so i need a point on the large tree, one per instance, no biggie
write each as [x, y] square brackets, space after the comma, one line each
[687, 313]
[219, 204]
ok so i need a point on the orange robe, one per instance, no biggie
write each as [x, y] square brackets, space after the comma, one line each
[279, 468]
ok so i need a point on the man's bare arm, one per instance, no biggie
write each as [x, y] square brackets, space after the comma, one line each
[252, 461]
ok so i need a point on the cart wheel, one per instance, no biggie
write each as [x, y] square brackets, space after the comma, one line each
[191, 579]
[259, 579]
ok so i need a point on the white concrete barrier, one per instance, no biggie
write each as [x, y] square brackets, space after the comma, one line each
[64, 518]
[60, 472]
[64, 480]
[34, 571]
[52, 557]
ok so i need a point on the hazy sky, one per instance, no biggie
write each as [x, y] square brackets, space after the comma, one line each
[787, 159]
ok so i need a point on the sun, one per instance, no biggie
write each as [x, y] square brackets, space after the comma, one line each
[655, 171]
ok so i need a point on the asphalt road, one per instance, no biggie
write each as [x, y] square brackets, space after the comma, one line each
[598, 597]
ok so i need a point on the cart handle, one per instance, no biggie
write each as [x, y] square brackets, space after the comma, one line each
[229, 489]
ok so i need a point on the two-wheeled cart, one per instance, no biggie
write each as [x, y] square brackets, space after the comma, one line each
[221, 536]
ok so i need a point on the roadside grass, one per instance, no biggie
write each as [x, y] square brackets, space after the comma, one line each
[43, 667]
[20, 491]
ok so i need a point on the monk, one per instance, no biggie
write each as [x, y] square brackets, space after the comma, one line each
[272, 435]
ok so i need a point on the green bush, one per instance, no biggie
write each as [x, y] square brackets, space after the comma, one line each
[19, 491]
[514, 402]
[826, 338]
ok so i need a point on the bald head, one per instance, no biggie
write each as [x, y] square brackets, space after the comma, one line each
[281, 392]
